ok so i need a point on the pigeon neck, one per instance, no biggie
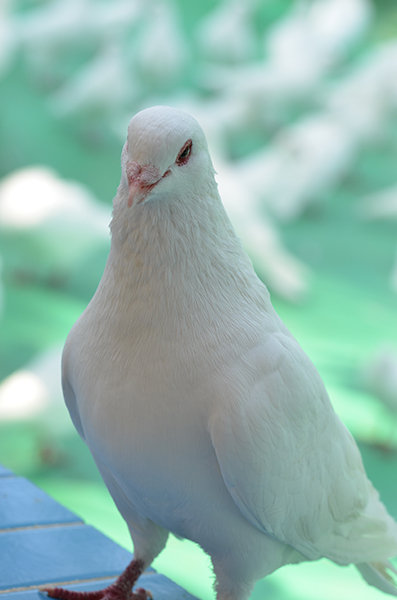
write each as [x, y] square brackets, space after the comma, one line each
[179, 250]
[170, 233]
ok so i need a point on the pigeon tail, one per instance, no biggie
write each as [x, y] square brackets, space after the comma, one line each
[371, 539]
[377, 575]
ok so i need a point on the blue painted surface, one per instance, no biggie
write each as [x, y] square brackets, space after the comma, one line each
[43, 543]
[4, 471]
[50, 554]
[23, 504]
[160, 587]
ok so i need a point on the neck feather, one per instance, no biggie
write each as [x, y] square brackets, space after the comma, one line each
[176, 258]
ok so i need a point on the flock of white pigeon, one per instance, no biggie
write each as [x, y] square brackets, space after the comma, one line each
[236, 87]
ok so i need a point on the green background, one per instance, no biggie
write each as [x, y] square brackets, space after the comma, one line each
[348, 313]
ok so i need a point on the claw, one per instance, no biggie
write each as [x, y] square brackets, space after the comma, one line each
[119, 590]
[142, 594]
[62, 594]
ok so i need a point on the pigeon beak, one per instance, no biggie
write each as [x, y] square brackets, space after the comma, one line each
[141, 180]
[136, 193]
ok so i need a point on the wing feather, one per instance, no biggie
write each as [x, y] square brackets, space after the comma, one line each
[289, 463]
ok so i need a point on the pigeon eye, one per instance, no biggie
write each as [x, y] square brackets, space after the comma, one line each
[184, 153]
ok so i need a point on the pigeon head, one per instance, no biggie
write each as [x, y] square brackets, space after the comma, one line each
[165, 154]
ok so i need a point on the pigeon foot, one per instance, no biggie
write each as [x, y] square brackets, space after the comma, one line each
[121, 589]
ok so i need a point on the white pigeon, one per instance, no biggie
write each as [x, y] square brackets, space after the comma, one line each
[227, 33]
[7, 37]
[205, 417]
[99, 88]
[316, 152]
[283, 273]
[381, 204]
[1, 288]
[393, 275]
[365, 98]
[60, 220]
[162, 30]
[379, 376]
[34, 393]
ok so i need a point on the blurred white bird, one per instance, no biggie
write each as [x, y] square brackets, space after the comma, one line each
[379, 376]
[289, 45]
[300, 50]
[36, 196]
[227, 32]
[100, 90]
[337, 25]
[204, 415]
[365, 97]
[393, 275]
[163, 51]
[302, 163]
[56, 21]
[43, 35]
[318, 32]
[289, 71]
[61, 218]
[283, 273]
[7, 38]
[381, 204]
[57, 29]
[1, 288]
[118, 17]
[317, 153]
[34, 393]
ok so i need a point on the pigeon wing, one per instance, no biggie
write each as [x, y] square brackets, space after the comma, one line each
[290, 465]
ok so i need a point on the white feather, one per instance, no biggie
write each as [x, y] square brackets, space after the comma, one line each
[163, 52]
[227, 33]
[283, 273]
[381, 204]
[34, 393]
[379, 376]
[101, 88]
[7, 37]
[393, 274]
[60, 220]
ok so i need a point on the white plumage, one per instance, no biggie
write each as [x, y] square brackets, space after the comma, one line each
[283, 273]
[60, 220]
[7, 39]
[379, 376]
[382, 204]
[100, 89]
[393, 275]
[316, 152]
[227, 33]
[203, 414]
[163, 52]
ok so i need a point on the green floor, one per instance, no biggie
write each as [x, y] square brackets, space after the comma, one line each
[349, 312]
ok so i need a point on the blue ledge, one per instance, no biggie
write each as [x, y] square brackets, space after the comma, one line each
[62, 553]
[23, 504]
[160, 587]
[4, 471]
[43, 543]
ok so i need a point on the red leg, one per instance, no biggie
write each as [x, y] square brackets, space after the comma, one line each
[121, 589]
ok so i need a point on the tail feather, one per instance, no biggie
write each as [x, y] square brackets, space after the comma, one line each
[377, 575]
